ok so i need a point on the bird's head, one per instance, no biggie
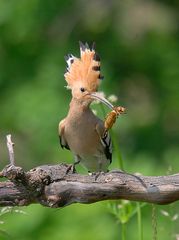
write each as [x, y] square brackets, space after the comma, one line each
[83, 75]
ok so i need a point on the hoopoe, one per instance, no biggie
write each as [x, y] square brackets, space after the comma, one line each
[81, 131]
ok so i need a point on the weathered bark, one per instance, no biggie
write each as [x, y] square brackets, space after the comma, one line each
[57, 186]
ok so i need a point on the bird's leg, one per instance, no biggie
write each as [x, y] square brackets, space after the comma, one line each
[77, 161]
[71, 167]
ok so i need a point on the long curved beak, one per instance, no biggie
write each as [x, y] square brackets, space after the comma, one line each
[97, 96]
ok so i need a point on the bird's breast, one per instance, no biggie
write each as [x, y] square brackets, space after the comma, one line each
[81, 134]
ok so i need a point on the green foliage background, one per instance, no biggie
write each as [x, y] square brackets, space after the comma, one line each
[138, 42]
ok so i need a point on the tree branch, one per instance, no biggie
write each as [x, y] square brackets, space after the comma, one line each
[58, 186]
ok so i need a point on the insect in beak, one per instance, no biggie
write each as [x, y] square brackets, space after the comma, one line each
[97, 96]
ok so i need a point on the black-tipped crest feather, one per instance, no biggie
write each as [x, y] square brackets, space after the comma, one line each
[85, 69]
[96, 68]
[82, 46]
[96, 57]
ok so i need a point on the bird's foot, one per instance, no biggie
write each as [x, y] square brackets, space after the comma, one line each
[71, 169]
[96, 174]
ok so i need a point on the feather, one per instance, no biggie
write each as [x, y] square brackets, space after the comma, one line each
[85, 70]
[106, 141]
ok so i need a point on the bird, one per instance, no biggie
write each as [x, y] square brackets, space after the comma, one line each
[82, 132]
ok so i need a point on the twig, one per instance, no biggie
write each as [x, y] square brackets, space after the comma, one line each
[10, 146]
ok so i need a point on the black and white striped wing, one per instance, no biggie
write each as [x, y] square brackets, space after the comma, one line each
[63, 143]
[107, 144]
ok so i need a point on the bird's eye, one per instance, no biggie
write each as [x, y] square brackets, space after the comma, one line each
[82, 89]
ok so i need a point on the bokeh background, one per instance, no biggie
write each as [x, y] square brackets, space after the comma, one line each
[138, 42]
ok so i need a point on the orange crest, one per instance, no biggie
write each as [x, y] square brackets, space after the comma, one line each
[84, 71]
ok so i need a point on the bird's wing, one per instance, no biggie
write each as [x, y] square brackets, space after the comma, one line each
[61, 131]
[106, 141]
